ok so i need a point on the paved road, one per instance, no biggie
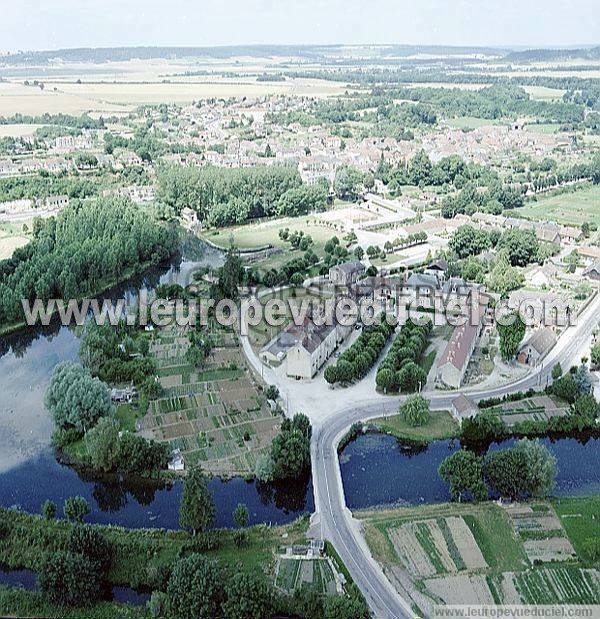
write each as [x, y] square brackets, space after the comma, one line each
[332, 516]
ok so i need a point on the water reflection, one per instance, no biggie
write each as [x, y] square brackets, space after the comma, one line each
[29, 473]
[379, 470]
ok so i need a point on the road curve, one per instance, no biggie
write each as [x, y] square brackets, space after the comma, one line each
[331, 513]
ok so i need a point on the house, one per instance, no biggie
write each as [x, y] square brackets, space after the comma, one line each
[315, 344]
[123, 395]
[346, 274]
[541, 277]
[593, 271]
[463, 407]
[537, 346]
[176, 462]
[438, 269]
[453, 363]
[56, 202]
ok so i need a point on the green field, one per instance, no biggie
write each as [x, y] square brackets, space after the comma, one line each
[470, 122]
[441, 425]
[568, 208]
[580, 517]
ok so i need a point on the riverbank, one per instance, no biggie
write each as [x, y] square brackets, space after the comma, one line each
[441, 425]
[103, 288]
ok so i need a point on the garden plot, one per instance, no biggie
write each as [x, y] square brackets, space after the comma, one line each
[294, 572]
[537, 408]
[440, 546]
[461, 589]
[543, 535]
[215, 414]
[551, 549]
[562, 585]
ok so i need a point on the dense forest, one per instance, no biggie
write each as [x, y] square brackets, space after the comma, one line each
[85, 248]
[223, 196]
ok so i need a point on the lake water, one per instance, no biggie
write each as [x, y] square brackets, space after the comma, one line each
[377, 470]
[27, 579]
[30, 474]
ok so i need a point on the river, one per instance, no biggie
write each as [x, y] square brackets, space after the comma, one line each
[378, 470]
[30, 474]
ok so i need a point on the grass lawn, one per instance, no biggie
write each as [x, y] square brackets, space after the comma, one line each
[470, 122]
[571, 208]
[441, 425]
[580, 517]
[12, 236]
[427, 361]
[256, 235]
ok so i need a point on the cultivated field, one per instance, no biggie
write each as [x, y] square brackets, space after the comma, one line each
[487, 554]
[537, 408]
[214, 414]
[567, 208]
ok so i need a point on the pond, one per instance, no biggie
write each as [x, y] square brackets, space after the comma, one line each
[27, 579]
[378, 470]
[30, 474]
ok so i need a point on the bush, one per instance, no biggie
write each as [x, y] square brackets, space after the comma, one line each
[70, 580]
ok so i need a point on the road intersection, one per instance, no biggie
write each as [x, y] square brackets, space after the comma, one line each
[333, 411]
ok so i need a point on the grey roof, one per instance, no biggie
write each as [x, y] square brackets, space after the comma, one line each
[438, 265]
[542, 340]
[421, 280]
[351, 267]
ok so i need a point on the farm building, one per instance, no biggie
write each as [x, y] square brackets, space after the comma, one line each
[537, 346]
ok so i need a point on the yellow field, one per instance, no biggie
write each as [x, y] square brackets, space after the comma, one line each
[17, 131]
[119, 87]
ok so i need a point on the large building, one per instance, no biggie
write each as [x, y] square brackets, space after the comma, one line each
[305, 348]
[453, 363]
[346, 274]
[314, 346]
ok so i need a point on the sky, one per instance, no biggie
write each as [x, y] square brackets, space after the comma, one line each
[52, 24]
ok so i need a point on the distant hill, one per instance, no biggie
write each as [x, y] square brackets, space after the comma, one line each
[541, 55]
[107, 54]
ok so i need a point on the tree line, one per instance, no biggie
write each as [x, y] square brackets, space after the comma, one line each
[87, 247]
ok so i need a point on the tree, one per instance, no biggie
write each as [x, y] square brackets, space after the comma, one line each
[463, 472]
[240, 515]
[511, 334]
[49, 510]
[411, 377]
[197, 509]
[484, 427]
[76, 508]
[290, 453]
[272, 393]
[67, 579]
[566, 388]
[231, 275]
[503, 278]
[595, 356]
[89, 542]
[386, 379]
[586, 407]
[527, 469]
[264, 468]
[415, 411]
[540, 467]
[521, 246]
[556, 371]
[582, 379]
[102, 443]
[347, 182]
[468, 240]
[342, 607]
[330, 374]
[195, 588]
[247, 596]
[75, 399]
